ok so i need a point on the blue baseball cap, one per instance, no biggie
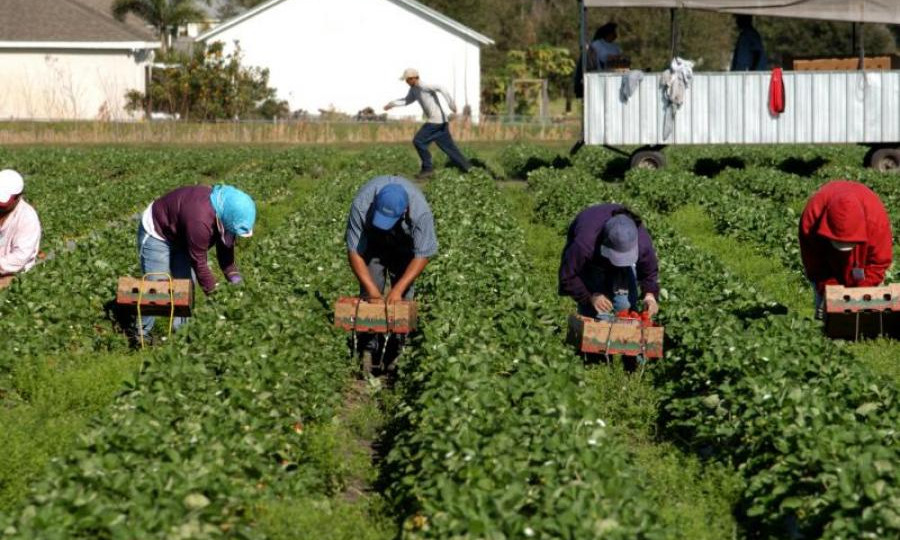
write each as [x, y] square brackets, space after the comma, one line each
[390, 205]
[620, 241]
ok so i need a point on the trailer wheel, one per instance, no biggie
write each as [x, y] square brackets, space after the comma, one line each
[648, 159]
[886, 160]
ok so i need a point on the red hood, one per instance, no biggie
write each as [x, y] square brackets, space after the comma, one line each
[844, 219]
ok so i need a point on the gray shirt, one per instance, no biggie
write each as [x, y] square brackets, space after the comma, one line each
[419, 225]
[427, 96]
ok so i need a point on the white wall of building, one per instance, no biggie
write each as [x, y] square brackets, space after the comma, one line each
[349, 54]
[68, 84]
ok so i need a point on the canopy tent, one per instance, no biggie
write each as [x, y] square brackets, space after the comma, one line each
[864, 11]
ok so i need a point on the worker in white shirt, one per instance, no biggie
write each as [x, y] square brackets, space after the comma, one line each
[20, 229]
[436, 128]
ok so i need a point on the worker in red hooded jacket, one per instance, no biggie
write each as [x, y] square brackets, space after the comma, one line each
[845, 238]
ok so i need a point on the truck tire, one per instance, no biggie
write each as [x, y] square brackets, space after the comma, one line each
[648, 159]
[886, 160]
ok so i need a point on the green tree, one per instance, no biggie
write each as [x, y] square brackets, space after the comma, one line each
[230, 8]
[164, 15]
[210, 85]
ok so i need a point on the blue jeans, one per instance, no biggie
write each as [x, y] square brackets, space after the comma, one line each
[440, 134]
[159, 256]
[621, 289]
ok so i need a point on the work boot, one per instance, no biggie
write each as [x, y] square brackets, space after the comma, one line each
[425, 175]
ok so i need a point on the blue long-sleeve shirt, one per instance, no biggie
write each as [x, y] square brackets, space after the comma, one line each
[582, 254]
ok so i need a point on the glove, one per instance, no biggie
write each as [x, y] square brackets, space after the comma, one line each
[235, 278]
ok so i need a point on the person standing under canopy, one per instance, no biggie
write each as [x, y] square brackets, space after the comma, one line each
[749, 53]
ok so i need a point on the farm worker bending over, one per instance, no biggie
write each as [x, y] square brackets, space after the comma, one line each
[608, 254]
[390, 230]
[845, 238]
[436, 128]
[20, 229]
[177, 229]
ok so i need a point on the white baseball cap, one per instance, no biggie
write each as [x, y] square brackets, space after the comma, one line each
[409, 73]
[11, 184]
[843, 246]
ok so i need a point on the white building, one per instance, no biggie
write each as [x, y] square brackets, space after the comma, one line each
[61, 59]
[346, 55]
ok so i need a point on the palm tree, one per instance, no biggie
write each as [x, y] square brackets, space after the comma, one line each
[164, 15]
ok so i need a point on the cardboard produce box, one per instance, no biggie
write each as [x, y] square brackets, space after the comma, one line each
[858, 312]
[155, 296]
[353, 314]
[625, 337]
[842, 63]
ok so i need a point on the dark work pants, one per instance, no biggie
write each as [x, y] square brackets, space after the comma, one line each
[392, 264]
[440, 134]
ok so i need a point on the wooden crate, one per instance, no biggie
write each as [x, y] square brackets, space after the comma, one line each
[353, 314]
[156, 298]
[842, 63]
[861, 312]
[625, 337]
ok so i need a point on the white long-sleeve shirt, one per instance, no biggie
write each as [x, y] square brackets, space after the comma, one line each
[20, 239]
[427, 96]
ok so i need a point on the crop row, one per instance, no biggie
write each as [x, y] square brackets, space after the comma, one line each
[497, 433]
[60, 304]
[813, 435]
[226, 417]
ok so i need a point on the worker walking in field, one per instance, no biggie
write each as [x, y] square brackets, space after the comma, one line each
[390, 232]
[436, 128]
[845, 238]
[178, 229]
[608, 256]
[20, 228]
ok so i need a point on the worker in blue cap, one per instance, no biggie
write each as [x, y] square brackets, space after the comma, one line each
[178, 229]
[390, 235]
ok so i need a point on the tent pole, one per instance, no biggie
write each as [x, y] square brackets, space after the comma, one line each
[582, 37]
[862, 46]
[673, 30]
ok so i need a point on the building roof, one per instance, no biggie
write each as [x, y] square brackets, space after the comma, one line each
[105, 8]
[65, 24]
[425, 12]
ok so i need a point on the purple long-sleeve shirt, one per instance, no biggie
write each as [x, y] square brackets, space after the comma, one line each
[186, 219]
[581, 245]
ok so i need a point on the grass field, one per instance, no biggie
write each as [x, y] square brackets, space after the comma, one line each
[250, 423]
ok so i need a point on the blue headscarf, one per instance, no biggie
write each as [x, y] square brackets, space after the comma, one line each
[234, 208]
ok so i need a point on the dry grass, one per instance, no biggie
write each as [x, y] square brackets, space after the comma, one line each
[268, 133]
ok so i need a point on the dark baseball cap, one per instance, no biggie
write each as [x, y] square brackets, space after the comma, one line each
[620, 241]
[390, 205]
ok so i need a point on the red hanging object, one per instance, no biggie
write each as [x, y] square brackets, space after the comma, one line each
[776, 93]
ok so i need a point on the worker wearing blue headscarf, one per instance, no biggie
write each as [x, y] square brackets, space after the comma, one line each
[178, 229]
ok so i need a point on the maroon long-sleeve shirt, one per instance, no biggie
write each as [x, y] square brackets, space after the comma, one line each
[581, 245]
[186, 219]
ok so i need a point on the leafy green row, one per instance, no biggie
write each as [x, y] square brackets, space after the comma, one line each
[225, 417]
[813, 435]
[497, 433]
